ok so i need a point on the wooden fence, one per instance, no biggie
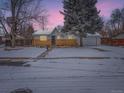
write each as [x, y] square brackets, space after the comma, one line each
[58, 43]
[113, 42]
[66, 42]
[20, 42]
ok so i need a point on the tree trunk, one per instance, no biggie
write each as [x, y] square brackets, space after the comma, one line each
[81, 39]
[12, 41]
[119, 27]
[13, 35]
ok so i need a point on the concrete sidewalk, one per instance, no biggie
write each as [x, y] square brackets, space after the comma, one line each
[20, 53]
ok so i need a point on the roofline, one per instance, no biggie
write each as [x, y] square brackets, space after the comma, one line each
[40, 34]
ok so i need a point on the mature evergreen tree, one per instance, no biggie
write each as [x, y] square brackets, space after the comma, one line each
[81, 16]
[68, 12]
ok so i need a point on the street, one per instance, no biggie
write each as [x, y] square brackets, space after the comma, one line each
[65, 76]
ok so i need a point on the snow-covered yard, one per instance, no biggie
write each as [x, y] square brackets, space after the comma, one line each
[24, 52]
[114, 49]
[65, 76]
[72, 75]
[92, 51]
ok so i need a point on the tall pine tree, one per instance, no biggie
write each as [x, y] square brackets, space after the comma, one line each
[82, 16]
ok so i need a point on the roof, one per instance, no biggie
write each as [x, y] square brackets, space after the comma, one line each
[42, 32]
[120, 36]
[93, 35]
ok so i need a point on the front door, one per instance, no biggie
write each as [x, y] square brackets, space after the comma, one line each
[53, 40]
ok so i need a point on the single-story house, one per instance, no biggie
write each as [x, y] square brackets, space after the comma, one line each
[42, 38]
[53, 38]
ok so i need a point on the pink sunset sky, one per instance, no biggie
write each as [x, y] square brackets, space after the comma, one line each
[54, 6]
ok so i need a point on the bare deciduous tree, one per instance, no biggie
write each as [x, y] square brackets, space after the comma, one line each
[116, 23]
[23, 13]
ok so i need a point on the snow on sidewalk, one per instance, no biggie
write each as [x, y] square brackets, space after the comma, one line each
[25, 52]
[81, 52]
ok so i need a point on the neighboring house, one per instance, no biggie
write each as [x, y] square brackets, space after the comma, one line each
[27, 35]
[24, 38]
[116, 40]
[119, 36]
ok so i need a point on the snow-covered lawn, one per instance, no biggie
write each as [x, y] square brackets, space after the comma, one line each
[65, 76]
[26, 52]
[92, 51]
[114, 49]
[86, 52]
